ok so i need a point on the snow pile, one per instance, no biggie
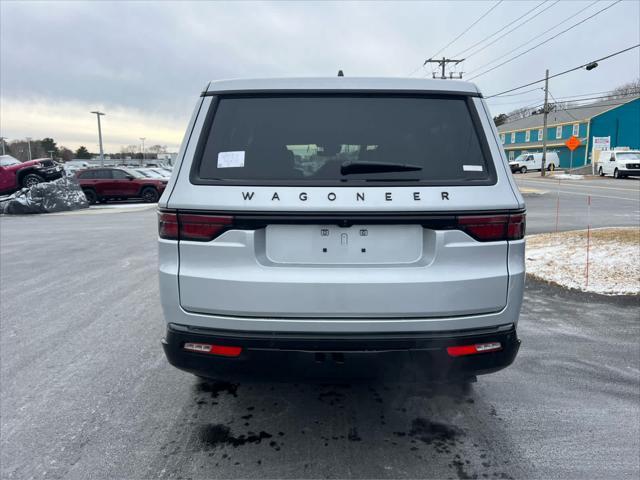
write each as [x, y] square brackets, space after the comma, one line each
[568, 176]
[614, 260]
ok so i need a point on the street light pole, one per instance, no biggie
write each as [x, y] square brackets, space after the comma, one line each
[99, 114]
[29, 143]
[142, 161]
[544, 122]
[2, 140]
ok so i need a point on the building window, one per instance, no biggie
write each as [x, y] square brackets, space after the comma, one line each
[540, 135]
[511, 155]
[527, 136]
[502, 138]
[513, 137]
[558, 132]
[576, 129]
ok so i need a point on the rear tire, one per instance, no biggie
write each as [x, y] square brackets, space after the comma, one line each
[149, 195]
[31, 179]
[551, 167]
[600, 172]
[523, 169]
[92, 198]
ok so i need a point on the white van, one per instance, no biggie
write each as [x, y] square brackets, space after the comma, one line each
[339, 220]
[620, 163]
[533, 161]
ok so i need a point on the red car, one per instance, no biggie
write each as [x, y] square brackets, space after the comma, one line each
[15, 174]
[102, 184]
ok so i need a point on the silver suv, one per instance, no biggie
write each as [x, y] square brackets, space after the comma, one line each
[341, 220]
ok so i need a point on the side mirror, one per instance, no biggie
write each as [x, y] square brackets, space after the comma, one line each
[130, 177]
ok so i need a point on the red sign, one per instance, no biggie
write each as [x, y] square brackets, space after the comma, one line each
[573, 143]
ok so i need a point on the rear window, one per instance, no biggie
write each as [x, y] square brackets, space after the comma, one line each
[342, 139]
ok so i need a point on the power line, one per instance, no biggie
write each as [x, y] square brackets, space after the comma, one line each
[460, 35]
[545, 41]
[611, 93]
[468, 28]
[566, 71]
[521, 93]
[561, 106]
[509, 31]
[563, 21]
[579, 107]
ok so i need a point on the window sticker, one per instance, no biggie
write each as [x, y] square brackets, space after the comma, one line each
[231, 159]
[472, 168]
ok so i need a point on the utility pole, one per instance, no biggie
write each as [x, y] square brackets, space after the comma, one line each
[29, 143]
[2, 140]
[142, 161]
[99, 114]
[544, 123]
[443, 63]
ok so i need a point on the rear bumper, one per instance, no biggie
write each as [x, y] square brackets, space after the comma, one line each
[400, 356]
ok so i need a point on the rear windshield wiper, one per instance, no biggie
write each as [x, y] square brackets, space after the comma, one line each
[348, 168]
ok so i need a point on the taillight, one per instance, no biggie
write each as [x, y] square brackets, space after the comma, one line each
[202, 228]
[492, 228]
[168, 225]
[197, 228]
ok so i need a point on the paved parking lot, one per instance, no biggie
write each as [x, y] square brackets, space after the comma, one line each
[87, 393]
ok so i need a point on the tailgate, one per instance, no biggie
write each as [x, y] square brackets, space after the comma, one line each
[330, 268]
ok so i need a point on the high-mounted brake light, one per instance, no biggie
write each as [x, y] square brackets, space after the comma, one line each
[492, 228]
[221, 350]
[198, 228]
[463, 350]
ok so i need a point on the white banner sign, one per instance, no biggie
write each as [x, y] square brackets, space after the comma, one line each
[601, 143]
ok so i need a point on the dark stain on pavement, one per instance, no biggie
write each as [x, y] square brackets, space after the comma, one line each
[216, 435]
[215, 388]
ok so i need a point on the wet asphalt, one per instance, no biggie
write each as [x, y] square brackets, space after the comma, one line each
[85, 390]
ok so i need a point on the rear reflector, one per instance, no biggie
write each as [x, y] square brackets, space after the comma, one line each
[222, 350]
[492, 228]
[197, 228]
[462, 350]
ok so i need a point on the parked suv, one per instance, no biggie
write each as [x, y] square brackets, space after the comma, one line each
[15, 174]
[103, 184]
[339, 219]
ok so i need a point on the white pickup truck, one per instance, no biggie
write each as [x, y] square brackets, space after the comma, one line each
[619, 163]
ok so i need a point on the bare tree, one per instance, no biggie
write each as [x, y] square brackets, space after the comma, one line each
[20, 150]
[519, 113]
[625, 90]
[157, 149]
[65, 154]
[129, 150]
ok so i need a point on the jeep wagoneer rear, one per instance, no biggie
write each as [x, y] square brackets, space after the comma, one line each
[339, 220]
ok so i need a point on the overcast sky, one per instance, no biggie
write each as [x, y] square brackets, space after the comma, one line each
[144, 63]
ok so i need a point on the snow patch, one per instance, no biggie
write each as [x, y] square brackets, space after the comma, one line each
[568, 176]
[614, 260]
